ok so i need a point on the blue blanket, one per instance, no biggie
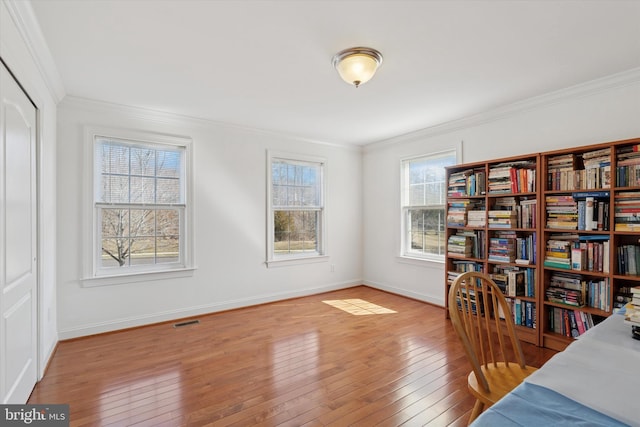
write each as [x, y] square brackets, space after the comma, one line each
[533, 405]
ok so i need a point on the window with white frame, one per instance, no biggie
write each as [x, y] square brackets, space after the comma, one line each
[424, 192]
[139, 206]
[296, 207]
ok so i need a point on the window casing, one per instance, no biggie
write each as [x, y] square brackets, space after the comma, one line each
[424, 191]
[296, 208]
[140, 206]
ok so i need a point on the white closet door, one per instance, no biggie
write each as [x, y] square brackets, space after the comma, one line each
[18, 242]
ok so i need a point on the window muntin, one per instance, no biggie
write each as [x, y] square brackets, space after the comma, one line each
[423, 205]
[297, 208]
[139, 203]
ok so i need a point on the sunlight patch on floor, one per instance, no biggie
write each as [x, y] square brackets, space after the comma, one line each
[358, 307]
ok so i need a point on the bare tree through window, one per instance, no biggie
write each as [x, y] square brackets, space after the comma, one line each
[139, 203]
[297, 206]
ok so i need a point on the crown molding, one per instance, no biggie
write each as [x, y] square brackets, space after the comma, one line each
[163, 117]
[589, 88]
[23, 16]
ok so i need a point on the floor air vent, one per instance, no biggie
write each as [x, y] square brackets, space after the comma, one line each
[186, 323]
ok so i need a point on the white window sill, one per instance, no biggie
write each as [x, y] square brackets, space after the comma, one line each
[121, 279]
[286, 262]
[422, 262]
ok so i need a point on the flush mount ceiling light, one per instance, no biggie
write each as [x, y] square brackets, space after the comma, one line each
[357, 65]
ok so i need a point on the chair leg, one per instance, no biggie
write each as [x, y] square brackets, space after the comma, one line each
[477, 410]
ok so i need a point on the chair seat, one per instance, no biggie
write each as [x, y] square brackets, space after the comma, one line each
[501, 378]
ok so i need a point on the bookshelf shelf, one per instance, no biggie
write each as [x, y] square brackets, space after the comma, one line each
[523, 194]
[632, 277]
[557, 341]
[582, 241]
[525, 298]
[467, 197]
[512, 229]
[510, 264]
[580, 308]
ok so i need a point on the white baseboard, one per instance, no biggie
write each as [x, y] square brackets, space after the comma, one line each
[45, 357]
[131, 322]
[404, 292]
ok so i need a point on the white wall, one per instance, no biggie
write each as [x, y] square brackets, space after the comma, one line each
[363, 195]
[230, 212]
[19, 46]
[599, 111]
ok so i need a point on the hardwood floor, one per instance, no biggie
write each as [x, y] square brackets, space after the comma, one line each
[298, 362]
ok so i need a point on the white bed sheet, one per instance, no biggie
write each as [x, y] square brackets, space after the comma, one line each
[600, 370]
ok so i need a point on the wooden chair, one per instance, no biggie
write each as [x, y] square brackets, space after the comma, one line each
[476, 305]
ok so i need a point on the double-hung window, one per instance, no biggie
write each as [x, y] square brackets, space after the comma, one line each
[139, 206]
[424, 192]
[296, 208]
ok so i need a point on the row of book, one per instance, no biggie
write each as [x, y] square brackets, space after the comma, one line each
[628, 166]
[502, 247]
[459, 210]
[503, 219]
[466, 244]
[562, 212]
[627, 211]
[564, 296]
[508, 246]
[526, 249]
[588, 170]
[463, 266]
[632, 310]
[628, 257]
[568, 322]
[558, 251]
[628, 176]
[459, 215]
[509, 212]
[570, 251]
[593, 214]
[573, 289]
[598, 294]
[579, 211]
[565, 288]
[526, 213]
[476, 218]
[590, 211]
[591, 253]
[569, 180]
[622, 297]
[512, 177]
[515, 281]
[523, 312]
[597, 166]
[470, 301]
[565, 172]
[469, 182]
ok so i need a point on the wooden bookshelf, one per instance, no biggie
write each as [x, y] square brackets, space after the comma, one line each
[589, 203]
[492, 227]
[575, 235]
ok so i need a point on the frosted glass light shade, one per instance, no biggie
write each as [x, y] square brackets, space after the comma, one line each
[357, 65]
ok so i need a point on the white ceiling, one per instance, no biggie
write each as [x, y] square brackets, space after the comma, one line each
[267, 64]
